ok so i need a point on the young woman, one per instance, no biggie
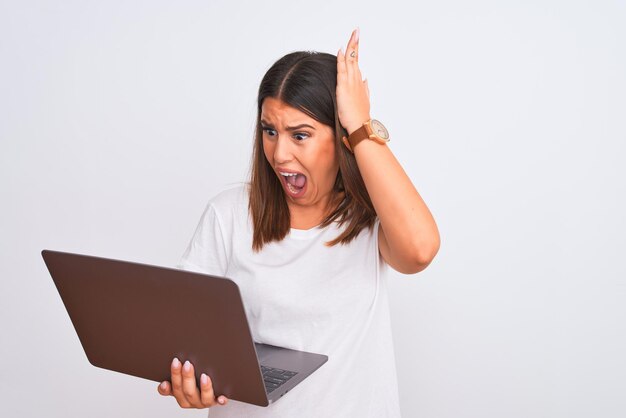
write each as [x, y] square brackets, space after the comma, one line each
[309, 238]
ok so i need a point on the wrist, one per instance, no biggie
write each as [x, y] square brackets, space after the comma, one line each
[353, 127]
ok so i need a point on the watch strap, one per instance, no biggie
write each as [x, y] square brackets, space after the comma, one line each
[355, 137]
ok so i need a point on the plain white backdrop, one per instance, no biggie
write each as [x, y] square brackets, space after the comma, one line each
[120, 119]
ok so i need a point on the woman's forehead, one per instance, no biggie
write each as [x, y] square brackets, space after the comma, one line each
[276, 111]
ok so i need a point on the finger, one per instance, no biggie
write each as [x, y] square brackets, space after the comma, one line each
[353, 47]
[223, 400]
[164, 388]
[177, 384]
[341, 64]
[367, 88]
[351, 53]
[207, 397]
[355, 44]
[192, 394]
[355, 59]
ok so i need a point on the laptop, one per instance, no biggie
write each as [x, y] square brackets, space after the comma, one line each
[135, 318]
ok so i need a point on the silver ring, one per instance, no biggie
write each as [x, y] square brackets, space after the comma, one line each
[353, 53]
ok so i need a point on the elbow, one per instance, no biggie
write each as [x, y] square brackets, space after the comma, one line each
[424, 256]
[412, 259]
[412, 267]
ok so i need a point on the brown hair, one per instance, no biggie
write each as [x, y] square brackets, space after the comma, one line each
[307, 81]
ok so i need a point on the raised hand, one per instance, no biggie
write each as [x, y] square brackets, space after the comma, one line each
[353, 101]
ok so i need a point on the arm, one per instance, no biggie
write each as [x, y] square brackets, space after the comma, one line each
[408, 235]
[408, 238]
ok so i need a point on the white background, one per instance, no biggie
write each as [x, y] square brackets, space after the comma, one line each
[119, 119]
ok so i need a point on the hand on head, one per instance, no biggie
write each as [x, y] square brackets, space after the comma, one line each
[353, 104]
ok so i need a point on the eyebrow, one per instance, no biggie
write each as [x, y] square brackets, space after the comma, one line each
[289, 128]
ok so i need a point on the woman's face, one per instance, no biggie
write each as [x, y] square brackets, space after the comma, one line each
[301, 151]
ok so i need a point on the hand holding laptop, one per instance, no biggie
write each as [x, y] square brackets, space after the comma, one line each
[183, 388]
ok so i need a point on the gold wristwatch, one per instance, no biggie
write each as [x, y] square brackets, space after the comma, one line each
[372, 129]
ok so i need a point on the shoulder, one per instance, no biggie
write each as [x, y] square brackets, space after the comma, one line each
[231, 198]
[229, 208]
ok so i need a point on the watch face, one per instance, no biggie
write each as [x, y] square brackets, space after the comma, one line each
[379, 129]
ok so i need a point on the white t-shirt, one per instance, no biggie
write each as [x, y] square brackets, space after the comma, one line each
[301, 294]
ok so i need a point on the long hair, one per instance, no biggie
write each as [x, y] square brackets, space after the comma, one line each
[307, 81]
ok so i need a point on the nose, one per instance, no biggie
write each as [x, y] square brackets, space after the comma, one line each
[282, 149]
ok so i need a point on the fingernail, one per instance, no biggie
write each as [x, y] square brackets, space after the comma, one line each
[356, 39]
[204, 379]
[187, 366]
[221, 400]
[175, 362]
[341, 50]
[163, 385]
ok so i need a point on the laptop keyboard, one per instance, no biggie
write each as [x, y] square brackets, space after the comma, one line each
[274, 378]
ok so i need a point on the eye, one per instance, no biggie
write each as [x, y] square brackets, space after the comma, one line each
[269, 131]
[301, 136]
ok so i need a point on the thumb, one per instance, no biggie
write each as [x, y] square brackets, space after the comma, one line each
[164, 388]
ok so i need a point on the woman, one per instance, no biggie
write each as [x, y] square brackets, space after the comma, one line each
[309, 239]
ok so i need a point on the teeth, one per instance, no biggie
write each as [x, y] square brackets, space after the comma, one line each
[288, 174]
[291, 189]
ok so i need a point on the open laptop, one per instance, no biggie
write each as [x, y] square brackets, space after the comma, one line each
[135, 318]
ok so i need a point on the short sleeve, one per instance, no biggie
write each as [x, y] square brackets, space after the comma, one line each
[206, 252]
[381, 264]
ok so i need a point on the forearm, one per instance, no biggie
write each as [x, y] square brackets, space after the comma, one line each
[407, 223]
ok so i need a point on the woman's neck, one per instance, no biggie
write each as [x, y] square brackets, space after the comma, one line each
[307, 217]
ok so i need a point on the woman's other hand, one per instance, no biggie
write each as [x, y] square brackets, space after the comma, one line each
[183, 387]
[353, 101]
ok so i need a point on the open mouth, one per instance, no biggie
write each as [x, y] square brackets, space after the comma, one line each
[293, 182]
